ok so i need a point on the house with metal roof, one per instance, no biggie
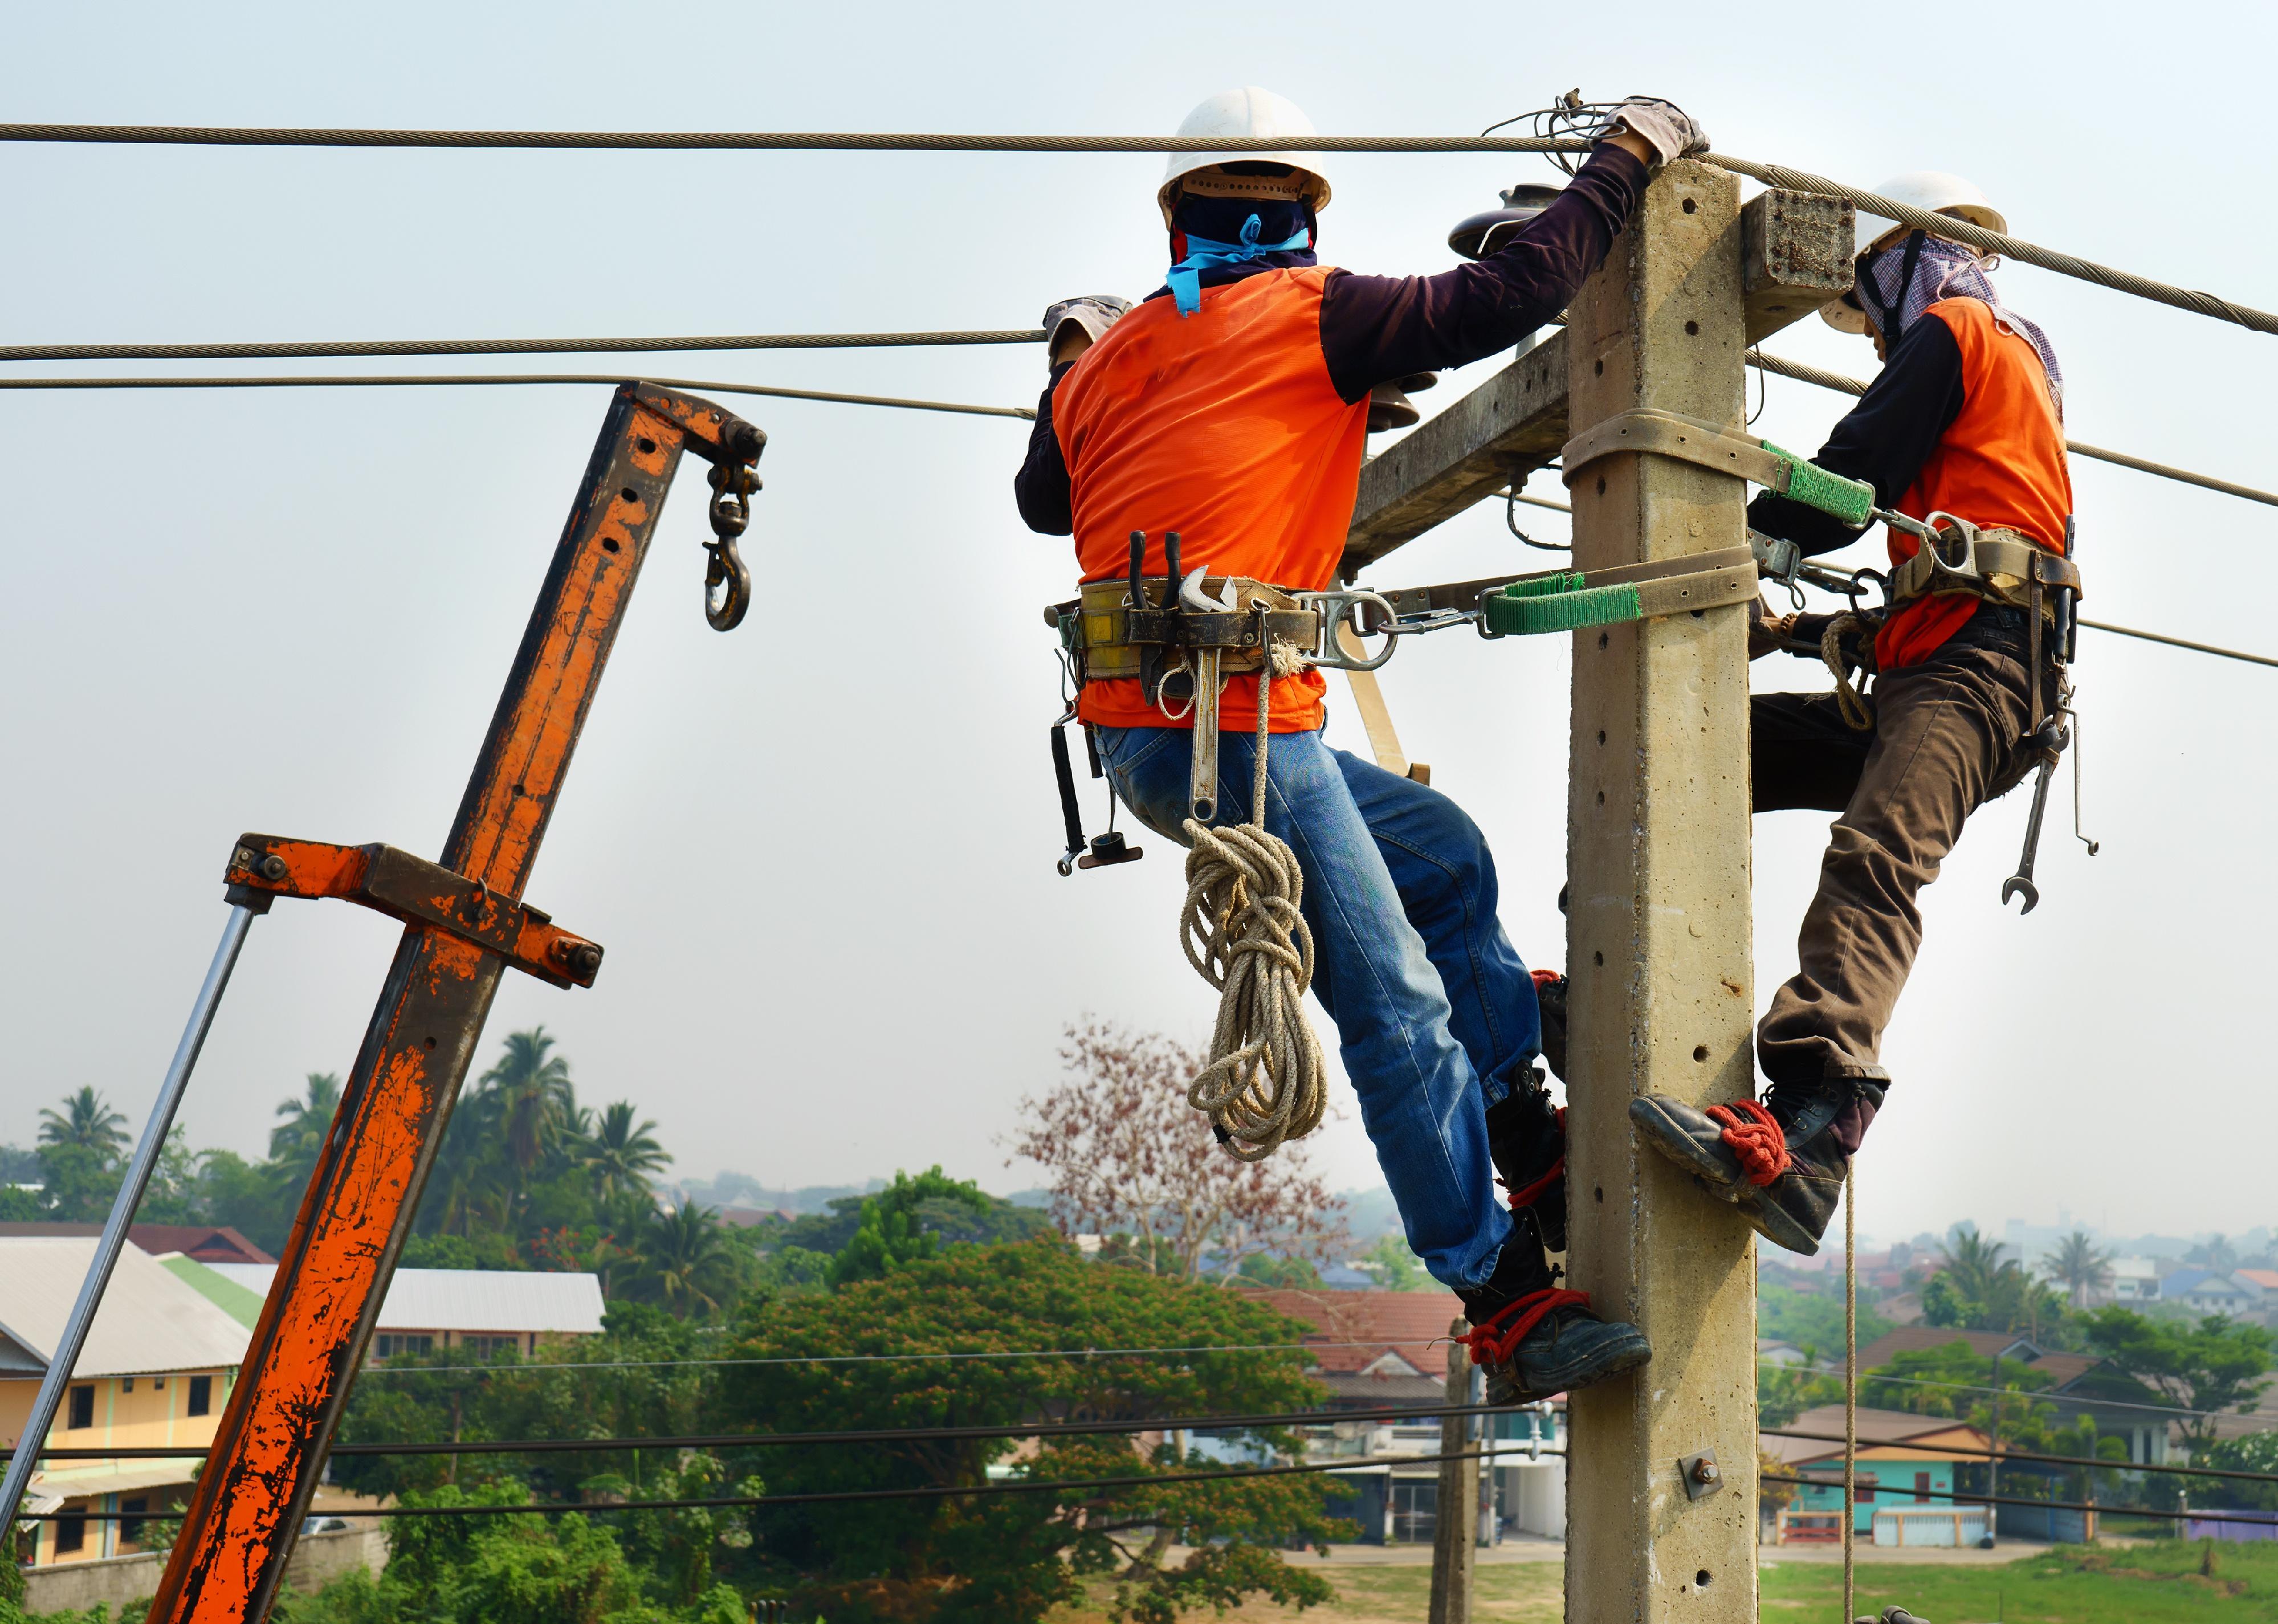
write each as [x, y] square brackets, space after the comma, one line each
[158, 1364]
[483, 1310]
[1904, 1459]
[208, 1243]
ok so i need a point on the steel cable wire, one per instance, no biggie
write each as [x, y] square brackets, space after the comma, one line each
[290, 350]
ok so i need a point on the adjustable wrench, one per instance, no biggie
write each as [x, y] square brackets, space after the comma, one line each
[2052, 739]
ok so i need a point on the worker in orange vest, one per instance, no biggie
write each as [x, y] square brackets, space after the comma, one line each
[1230, 407]
[1965, 419]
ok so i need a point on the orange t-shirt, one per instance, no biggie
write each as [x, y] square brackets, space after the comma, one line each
[1224, 427]
[2001, 463]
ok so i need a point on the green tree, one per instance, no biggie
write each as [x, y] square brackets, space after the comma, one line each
[297, 1142]
[1784, 1392]
[1396, 1268]
[894, 1230]
[1944, 1380]
[621, 1154]
[2215, 1365]
[1009, 1559]
[78, 1183]
[88, 1123]
[529, 1092]
[1985, 1289]
[685, 1261]
[2080, 1266]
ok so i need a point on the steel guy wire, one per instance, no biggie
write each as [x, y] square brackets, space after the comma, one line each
[2211, 1513]
[862, 1359]
[455, 379]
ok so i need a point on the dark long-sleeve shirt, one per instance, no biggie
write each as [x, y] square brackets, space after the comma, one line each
[1375, 330]
[1884, 440]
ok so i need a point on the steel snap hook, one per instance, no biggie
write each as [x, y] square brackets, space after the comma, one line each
[724, 610]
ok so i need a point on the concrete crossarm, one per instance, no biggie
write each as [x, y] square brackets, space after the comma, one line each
[1795, 256]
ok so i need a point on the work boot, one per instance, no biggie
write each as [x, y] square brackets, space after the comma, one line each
[1526, 1137]
[1782, 1162]
[1536, 1340]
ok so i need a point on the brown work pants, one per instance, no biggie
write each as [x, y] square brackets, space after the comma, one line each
[1949, 736]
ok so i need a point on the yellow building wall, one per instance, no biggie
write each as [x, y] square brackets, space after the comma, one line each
[137, 1412]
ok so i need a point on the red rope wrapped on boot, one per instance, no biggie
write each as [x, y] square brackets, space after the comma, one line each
[1759, 1141]
[1526, 1195]
[1497, 1339]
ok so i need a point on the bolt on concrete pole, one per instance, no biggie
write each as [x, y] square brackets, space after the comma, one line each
[1451, 1520]
[1658, 938]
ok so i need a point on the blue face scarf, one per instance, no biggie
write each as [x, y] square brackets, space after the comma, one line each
[1208, 253]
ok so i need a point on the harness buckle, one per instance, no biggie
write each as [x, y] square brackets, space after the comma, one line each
[1335, 608]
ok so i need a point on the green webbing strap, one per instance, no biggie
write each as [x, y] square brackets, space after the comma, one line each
[1569, 611]
[1851, 500]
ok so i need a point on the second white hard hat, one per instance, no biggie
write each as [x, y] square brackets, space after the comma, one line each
[1931, 191]
[1256, 114]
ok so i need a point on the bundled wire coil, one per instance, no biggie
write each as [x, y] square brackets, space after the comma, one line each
[1244, 930]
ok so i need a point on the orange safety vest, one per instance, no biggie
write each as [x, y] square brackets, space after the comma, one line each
[2001, 464]
[1224, 427]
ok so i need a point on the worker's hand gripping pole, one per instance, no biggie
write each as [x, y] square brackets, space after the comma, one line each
[267, 1455]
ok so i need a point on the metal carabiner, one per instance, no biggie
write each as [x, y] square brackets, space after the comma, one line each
[1333, 607]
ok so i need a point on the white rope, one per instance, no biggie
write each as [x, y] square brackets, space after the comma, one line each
[1243, 932]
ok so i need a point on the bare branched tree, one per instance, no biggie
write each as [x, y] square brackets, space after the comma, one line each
[1126, 1155]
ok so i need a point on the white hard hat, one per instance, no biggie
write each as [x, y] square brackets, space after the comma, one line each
[1247, 112]
[1931, 191]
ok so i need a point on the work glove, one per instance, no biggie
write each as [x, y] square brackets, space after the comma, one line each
[1663, 125]
[1090, 313]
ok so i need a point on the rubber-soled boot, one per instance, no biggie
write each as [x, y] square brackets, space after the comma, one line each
[1526, 1137]
[1782, 1163]
[1536, 1340]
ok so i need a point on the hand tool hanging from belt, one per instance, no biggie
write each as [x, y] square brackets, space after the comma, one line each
[1951, 556]
[1180, 635]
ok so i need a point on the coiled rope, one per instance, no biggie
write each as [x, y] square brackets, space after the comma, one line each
[1855, 714]
[1243, 930]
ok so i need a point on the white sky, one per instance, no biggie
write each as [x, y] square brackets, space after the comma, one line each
[837, 944]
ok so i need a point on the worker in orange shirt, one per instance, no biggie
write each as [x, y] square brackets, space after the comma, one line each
[1230, 407]
[1966, 419]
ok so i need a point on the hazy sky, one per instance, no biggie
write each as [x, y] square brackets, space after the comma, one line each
[820, 850]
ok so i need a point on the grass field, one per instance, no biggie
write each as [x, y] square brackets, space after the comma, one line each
[2165, 1583]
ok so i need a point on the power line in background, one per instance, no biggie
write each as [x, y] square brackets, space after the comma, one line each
[2011, 1499]
[872, 1435]
[288, 351]
[457, 380]
[1842, 385]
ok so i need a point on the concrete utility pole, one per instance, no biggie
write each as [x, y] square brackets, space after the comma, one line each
[1451, 1521]
[1658, 938]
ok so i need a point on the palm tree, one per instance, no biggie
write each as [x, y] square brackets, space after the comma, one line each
[87, 1121]
[621, 1154]
[530, 1089]
[307, 1118]
[2080, 1266]
[685, 1261]
[1977, 1266]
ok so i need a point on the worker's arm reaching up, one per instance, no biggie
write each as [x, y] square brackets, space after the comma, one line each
[1376, 329]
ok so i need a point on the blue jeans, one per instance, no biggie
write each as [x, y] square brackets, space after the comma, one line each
[1435, 1013]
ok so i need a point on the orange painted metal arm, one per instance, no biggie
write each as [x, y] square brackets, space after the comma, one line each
[269, 1450]
[418, 892]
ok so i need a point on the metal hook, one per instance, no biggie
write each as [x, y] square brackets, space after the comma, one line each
[725, 567]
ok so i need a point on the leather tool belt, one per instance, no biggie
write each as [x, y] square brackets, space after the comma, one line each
[1107, 638]
[1999, 565]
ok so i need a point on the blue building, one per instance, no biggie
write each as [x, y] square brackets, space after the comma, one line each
[1903, 1459]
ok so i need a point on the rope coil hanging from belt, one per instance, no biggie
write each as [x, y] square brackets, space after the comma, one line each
[1243, 930]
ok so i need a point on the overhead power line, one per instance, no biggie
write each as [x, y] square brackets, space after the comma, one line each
[1837, 381]
[2041, 1396]
[512, 347]
[649, 141]
[744, 140]
[859, 1359]
[455, 379]
[845, 1496]
[873, 1435]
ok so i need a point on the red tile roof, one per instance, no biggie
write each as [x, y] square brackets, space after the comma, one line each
[208, 1243]
[1404, 1323]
